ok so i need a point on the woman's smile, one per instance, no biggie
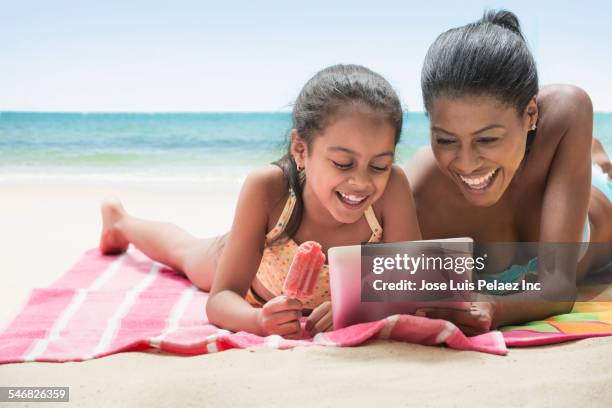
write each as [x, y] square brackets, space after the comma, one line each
[480, 182]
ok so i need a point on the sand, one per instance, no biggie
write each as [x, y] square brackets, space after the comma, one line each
[44, 228]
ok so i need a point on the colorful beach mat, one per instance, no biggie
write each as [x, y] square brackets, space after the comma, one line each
[590, 317]
[109, 304]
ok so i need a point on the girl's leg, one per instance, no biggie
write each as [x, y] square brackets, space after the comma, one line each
[161, 241]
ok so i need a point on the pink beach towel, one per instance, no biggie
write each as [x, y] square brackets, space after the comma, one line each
[109, 304]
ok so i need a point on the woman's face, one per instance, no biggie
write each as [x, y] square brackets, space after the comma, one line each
[479, 143]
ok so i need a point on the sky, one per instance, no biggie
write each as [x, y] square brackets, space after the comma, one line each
[200, 56]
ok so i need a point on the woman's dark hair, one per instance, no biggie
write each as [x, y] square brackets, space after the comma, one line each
[489, 57]
[330, 92]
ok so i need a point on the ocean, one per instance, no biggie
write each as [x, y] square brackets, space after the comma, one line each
[219, 148]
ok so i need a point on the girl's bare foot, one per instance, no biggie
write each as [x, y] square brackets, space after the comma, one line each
[112, 240]
[601, 158]
[606, 167]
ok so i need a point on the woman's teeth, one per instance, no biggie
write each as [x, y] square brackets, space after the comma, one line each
[480, 182]
[352, 199]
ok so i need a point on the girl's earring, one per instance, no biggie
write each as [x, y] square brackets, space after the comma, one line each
[533, 127]
[301, 174]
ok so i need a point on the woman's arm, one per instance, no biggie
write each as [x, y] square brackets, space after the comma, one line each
[568, 187]
[565, 204]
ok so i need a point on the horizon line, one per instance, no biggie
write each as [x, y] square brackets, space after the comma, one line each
[156, 112]
[184, 112]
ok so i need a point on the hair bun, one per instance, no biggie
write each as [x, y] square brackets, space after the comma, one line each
[503, 18]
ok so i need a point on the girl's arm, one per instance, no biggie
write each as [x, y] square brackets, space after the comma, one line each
[399, 218]
[238, 264]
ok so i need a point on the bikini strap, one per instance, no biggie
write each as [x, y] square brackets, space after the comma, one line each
[377, 230]
[280, 225]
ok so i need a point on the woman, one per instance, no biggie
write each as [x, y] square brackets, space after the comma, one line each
[507, 162]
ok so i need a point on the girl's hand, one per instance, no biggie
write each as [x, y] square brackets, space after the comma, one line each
[281, 315]
[476, 319]
[320, 320]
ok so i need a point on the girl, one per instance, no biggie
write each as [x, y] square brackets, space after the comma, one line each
[336, 185]
[508, 161]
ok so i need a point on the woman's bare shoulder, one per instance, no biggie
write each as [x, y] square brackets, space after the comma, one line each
[423, 172]
[564, 107]
[396, 190]
[563, 97]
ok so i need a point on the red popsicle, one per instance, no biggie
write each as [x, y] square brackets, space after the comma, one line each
[304, 271]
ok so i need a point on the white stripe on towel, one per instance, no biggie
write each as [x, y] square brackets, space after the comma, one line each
[389, 325]
[175, 316]
[321, 338]
[77, 300]
[273, 341]
[128, 301]
[211, 341]
[499, 339]
[448, 329]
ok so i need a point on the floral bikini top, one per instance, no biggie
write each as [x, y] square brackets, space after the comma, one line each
[277, 259]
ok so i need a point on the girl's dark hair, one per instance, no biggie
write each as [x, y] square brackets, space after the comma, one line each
[326, 94]
[488, 57]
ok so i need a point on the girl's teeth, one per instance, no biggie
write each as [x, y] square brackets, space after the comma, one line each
[353, 199]
[478, 182]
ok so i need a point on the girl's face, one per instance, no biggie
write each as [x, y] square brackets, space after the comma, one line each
[479, 144]
[347, 165]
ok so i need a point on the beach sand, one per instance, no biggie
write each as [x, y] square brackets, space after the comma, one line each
[45, 228]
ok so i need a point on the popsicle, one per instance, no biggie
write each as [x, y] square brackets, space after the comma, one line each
[304, 270]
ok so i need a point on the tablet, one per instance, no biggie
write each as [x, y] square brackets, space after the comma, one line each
[346, 281]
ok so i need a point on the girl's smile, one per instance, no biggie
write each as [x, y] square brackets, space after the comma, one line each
[353, 201]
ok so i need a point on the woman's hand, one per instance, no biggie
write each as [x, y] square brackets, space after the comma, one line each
[281, 315]
[320, 320]
[476, 319]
